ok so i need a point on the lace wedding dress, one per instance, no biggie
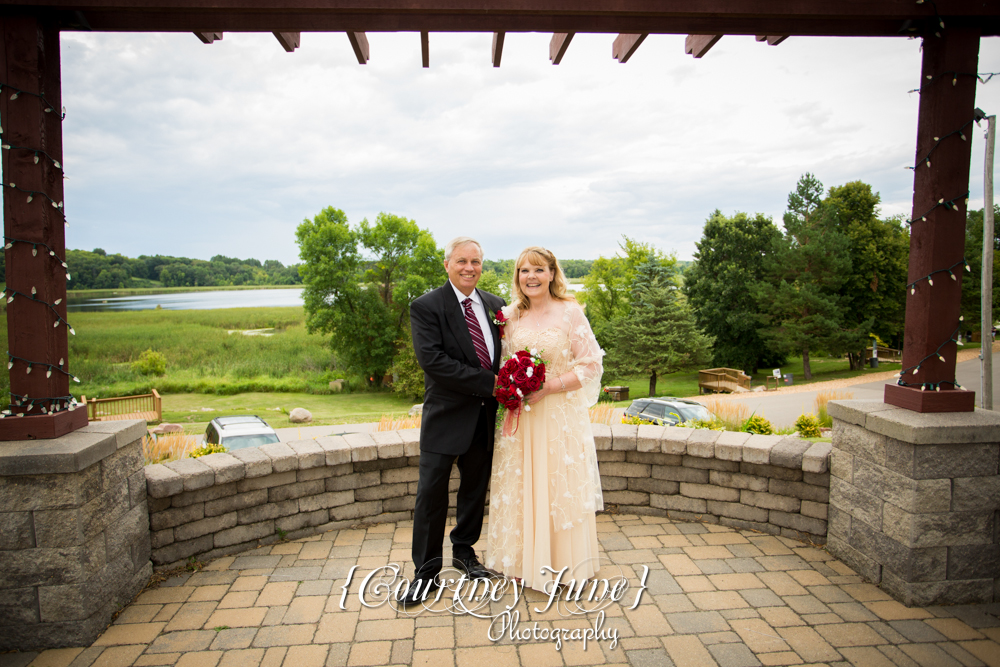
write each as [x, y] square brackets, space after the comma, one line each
[545, 487]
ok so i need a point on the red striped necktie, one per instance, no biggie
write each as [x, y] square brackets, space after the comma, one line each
[477, 335]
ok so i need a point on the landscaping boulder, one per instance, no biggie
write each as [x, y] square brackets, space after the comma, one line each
[300, 416]
[417, 409]
[167, 428]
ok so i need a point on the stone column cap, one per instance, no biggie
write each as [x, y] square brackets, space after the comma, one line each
[919, 428]
[71, 452]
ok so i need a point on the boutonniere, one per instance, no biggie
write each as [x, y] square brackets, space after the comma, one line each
[500, 321]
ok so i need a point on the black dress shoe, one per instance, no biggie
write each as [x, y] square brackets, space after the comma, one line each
[471, 566]
[418, 592]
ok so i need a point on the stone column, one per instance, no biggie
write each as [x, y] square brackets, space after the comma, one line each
[915, 501]
[74, 534]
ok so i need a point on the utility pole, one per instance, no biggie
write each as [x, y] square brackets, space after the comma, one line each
[986, 324]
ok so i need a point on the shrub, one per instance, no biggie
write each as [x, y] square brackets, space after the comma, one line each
[710, 424]
[759, 425]
[208, 448]
[808, 426]
[150, 363]
[635, 419]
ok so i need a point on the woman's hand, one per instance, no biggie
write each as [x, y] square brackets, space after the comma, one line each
[536, 396]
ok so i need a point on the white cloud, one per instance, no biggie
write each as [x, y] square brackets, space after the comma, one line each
[176, 147]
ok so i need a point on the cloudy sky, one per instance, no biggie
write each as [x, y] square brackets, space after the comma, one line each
[181, 148]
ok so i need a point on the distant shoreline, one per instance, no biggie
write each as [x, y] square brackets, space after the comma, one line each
[140, 291]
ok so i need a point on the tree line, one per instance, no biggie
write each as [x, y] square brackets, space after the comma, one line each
[97, 269]
[830, 280]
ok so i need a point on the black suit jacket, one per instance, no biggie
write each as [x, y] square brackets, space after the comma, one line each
[456, 385]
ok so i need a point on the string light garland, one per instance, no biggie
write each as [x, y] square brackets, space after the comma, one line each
[930, 279]
[956, 337]
[58, 205]
[937, 15]
[36, 151]
[926, 159]
[48, 404]
[49, 367]
[949, 204]
[983, 77]
[11, 293]
[10, 241]
[49, 107]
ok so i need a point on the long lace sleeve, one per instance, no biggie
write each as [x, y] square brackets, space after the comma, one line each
[587, 355]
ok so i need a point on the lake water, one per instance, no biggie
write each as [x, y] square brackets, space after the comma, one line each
[208, 300]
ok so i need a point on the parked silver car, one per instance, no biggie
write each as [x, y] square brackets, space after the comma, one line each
[239, 432]
[667, 410]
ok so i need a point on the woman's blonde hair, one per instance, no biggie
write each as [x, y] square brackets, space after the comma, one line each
[539, 256]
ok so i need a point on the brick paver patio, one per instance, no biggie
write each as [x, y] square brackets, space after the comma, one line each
[715, 596]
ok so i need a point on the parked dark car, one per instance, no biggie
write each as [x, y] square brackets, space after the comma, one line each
[667, 410]
[239, 432]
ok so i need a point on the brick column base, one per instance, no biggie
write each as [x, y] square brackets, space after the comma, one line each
[74, 534]
[915, 501]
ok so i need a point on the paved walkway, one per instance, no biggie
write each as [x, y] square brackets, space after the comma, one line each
[715, 596]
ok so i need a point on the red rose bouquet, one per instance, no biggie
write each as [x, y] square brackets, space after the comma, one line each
[520, 375]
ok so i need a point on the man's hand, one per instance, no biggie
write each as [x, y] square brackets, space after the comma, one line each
[496, 382]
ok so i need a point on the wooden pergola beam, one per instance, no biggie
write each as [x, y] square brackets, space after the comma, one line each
[498, 47]
[208, 37]
[772, 40]
[699, 45]
[425, 48]
[625, 45]
[289, 40]
[558, 45]
[359, 42]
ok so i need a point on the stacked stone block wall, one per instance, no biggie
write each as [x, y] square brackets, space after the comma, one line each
[915, 501]
[74, 534]
[225, 503]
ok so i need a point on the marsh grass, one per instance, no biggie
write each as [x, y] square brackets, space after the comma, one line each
[392, 422]
[164, 448]
[202, 356]
[824, 397]
[730, 413]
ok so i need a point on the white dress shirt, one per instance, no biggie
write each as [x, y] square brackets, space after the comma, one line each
[480, 310]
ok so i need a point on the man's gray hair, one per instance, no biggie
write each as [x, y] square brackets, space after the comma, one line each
[458, 242]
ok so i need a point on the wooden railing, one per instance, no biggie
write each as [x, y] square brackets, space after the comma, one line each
[885, 354]
[143, 406]
[725, 380]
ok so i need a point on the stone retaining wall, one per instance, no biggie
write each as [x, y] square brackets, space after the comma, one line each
[74, 534]
[225, 503]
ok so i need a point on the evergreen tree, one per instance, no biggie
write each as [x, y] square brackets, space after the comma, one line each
[659, 335]
[728, 263]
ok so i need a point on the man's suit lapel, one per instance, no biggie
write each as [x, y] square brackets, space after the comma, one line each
[491, 309]
[455, 317]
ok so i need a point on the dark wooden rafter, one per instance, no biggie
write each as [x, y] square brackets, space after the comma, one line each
[772, 40]
[289, 40]
[699, 45]
[498, 47]
[208, 37]
[558, 45]
[695, 17]
[359, 42]
[625, 45]
[425, 49]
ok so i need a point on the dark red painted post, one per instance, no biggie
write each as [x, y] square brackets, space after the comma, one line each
[937, 244]
[37, 330]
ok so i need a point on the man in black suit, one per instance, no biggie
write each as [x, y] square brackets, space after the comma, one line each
[458, 347]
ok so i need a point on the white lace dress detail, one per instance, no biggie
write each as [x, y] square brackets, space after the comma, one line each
[546, 487]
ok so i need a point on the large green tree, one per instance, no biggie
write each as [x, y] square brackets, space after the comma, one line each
[659, 335]
[359, 284]
[875, 287]
[728, 263]
[800, 301]
[972, 279]
[608, 286]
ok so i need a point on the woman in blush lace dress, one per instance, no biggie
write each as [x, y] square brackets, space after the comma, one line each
[546, 488]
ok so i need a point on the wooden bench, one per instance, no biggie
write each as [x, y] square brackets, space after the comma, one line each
[143, 406]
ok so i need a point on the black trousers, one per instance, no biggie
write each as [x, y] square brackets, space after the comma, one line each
[431, 510]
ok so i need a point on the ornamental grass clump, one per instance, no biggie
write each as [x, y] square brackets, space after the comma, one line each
[824, 397]
[730, 413]
[808, 426]
[759, 425]
[165, 448]
[391, 422]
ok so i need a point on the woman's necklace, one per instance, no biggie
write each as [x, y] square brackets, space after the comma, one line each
[538, 317]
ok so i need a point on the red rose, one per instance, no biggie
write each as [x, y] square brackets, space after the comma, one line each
[521, 354]
[525, 362]
[520, 378]
[510, 367]
[540, 372]
[534, 383]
